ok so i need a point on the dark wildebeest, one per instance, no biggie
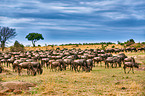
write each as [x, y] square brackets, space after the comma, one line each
[129, 60]
[15, 65]
[1, 68]
[37, 66]
[81, 63]
[98, 60]
[10, 61]
[48, 64]
[55, 65]
[68, 62]
[117, 60]
[3, 61]
[130, 63]
[90, 63]
[141, 49]
[111, 61]
[117, 50]
[28, 66]
[133, 49]
[44, 61]
[62, 65]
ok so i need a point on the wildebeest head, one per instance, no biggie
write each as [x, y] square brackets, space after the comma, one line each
[136, 65]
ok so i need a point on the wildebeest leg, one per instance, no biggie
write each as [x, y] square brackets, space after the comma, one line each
[79, 68]
[83, 68]
[129, 70]
[111, 65]
[132, 70]
[97, 63]
[94, 63]
[47, 65]
[75, 68]
[105, 64]
[55, 69]
[50, 68]
[19, 70]
[28, 71]
[7, 64]
[119, 64]
[0, 69]
[72, 67]
[115, 65]
[124, 69]
[100, 64]
[42, 62]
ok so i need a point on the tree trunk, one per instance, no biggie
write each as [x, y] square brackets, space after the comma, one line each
[2, 45]
[33, 42]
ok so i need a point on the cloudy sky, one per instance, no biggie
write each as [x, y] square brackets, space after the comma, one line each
[75, 21]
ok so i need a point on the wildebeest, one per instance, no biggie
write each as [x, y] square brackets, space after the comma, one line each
[98, 60]
[55, 65]
[44, 61]
[1, 69]
[90, 63]
[80, 63]
[48, 64]
[15, 64]
[110, 60]
[37, 66]
[68, 62]
[10, 61]
[28, 66]
[130, 63]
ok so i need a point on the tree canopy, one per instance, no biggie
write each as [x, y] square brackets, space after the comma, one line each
[34, 37]
[6, 33]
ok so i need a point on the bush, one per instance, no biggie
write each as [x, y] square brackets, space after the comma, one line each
[113, 46]
[39, 45]
[17, 47]
[143, 42]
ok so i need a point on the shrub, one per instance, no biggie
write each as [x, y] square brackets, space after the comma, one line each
[39, 45]
[17, 47]
[113, 46]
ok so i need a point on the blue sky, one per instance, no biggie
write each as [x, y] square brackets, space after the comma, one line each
[75, 21]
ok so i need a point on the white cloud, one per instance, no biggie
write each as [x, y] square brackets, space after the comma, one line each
[7, 20]
[115, 15]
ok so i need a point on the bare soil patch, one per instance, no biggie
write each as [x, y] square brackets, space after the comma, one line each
[15, 87]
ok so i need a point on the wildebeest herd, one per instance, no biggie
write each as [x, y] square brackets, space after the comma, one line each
[74, 59]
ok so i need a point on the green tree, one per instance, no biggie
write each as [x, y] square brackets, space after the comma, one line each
[118, 42]
[34, 37]
[131, 40]
[6, 33]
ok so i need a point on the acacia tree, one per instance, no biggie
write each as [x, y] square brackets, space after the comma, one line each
[34, 37]
[6, 33]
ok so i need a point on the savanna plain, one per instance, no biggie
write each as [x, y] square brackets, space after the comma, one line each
[99, 81]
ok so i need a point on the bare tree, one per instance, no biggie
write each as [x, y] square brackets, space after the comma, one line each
[6, 33]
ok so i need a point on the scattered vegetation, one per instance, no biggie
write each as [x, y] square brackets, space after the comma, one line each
[127, 43]
[107, 43]
[17, 47]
